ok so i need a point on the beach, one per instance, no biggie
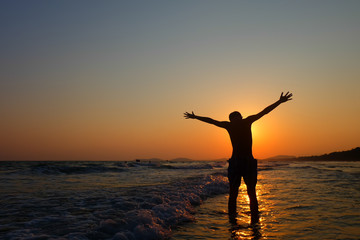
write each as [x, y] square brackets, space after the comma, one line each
[118, 119]
[176, 200]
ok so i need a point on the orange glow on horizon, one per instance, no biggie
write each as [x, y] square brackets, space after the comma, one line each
[92, 92]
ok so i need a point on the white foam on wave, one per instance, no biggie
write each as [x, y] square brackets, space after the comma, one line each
[174, 207]
[145, 212]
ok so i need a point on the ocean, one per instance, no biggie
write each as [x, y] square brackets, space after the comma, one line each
[176, 200]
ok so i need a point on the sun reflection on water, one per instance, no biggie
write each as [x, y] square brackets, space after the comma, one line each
[241, 229]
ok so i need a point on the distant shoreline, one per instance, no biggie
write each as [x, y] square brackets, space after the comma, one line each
[352, 155]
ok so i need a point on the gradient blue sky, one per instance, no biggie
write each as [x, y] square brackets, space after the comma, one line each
[110, 80]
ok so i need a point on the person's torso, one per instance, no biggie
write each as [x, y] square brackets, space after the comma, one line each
[241, 138]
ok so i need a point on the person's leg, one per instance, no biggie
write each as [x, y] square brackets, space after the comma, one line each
[250, 180]
[233, 193]
[254, 207]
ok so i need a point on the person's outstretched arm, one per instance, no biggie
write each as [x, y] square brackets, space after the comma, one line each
[205, 119]
[282, 99]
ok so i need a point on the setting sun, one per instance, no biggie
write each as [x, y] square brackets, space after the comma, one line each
[180, 120]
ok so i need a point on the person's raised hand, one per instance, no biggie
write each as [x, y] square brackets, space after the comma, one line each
[286, 97]
[189, 115]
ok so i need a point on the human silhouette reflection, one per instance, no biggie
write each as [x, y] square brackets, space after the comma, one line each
[239, 231]
[242, 162]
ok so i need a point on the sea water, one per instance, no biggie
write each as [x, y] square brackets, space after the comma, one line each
[297, 200]
[176, 200]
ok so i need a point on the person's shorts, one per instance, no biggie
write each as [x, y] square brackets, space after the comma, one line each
[243, 167]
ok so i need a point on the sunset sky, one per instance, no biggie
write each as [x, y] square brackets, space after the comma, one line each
[110, 80]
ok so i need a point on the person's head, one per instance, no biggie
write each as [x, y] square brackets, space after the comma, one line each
[234, 116]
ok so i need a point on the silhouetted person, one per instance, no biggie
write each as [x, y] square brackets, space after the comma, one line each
[242, 162]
